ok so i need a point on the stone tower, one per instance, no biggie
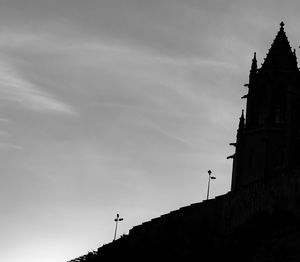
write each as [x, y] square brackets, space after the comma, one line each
[268, 137]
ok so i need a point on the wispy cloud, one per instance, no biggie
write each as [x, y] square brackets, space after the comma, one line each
[4, 133]
[15, 88]
[4, 120]
[168, 135]
[10, 146]
[12, 38]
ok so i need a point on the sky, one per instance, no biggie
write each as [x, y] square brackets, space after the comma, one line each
[119, 106]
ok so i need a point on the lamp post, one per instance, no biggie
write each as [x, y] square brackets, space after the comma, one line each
[209, 178]
[116, 228]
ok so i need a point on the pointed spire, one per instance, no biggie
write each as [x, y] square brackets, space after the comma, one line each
[242, 121]
[254, 64]
[280, 55]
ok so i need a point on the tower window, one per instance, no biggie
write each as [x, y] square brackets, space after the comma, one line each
[278, 117]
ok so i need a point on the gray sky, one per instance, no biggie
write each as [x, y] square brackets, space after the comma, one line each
[118, 106]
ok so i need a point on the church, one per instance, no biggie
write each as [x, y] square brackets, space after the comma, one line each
[259, 219]
[268, 140]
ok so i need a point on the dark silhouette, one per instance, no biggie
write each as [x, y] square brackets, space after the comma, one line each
[208, 186]
[116, 228]
[269, 142]
[259, 220]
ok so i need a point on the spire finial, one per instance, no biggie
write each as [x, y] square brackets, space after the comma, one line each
[254, 63]
[281, 25]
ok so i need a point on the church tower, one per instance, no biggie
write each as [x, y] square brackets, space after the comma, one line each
[268, 136]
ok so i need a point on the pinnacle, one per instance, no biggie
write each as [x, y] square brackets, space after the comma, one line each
[242, 120]
[280, 55]
[254, 63]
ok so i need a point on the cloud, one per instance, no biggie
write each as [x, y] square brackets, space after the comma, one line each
[4, 133]
[15, 88]
[11, 146]
[168, 135]
[4, 120]
[13, 38]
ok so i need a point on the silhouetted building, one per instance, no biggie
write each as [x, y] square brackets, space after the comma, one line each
[259, 220]
[268, 140]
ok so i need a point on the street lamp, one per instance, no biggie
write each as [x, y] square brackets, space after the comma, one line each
[116, 228]
[209, 178]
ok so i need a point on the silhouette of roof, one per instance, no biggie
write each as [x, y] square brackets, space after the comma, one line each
[280, 55]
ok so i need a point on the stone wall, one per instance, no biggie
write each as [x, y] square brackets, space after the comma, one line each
[214, 228]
